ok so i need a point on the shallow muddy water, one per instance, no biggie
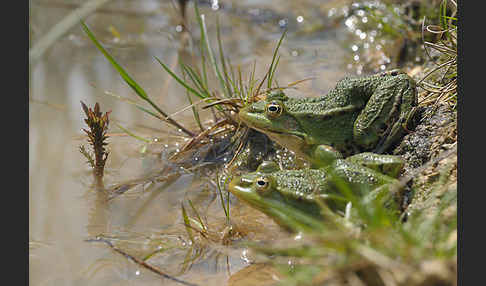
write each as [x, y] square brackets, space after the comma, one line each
[65, 210]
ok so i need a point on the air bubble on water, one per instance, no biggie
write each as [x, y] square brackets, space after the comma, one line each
[362, 36]
[244, 256]
[215, 5]
[178, 28]
[345, 11]
[331, 12]
[295, 53]
[137, 272]
[350, 23]
[356, 57]
[354, 48]
[364, 20]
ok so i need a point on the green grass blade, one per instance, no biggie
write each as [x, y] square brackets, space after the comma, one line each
[221, 55]
[270, 77]
[443, 14]
[137, 88]
[226, 213]
[204, 36]
[187, 223]
[203, 226]
[131, 134]
[194, 110]
[196, 80]
[132, 102]
[149, 112]
[179, 80]
[201, 46]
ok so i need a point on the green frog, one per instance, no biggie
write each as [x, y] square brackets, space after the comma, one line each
[360, 114]
[291, 197]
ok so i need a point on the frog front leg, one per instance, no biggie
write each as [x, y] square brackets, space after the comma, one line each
[324, 155]
[364, 182]
[387, 114]
[390, 165]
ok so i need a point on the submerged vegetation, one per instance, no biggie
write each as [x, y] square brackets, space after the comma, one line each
[369, 245]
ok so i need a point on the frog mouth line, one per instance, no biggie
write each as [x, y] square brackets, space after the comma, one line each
[245, 117]
[279, 133]
[294, 142]
[281, 213]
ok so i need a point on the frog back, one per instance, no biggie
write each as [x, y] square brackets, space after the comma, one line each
[329, 120]
[301, 189]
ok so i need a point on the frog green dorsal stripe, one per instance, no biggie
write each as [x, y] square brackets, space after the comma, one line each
[327, 114]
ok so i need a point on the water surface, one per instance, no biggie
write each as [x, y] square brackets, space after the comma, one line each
[64, 209]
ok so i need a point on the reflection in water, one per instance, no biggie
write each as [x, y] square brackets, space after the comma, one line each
[98, 214]
[65, 210]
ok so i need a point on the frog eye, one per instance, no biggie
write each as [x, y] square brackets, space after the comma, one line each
[273, 109]
[262, 185]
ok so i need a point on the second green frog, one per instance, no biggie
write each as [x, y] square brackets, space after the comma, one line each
[291, 197]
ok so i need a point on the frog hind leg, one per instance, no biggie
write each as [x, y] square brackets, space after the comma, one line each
[390, 165]
[387, 114]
